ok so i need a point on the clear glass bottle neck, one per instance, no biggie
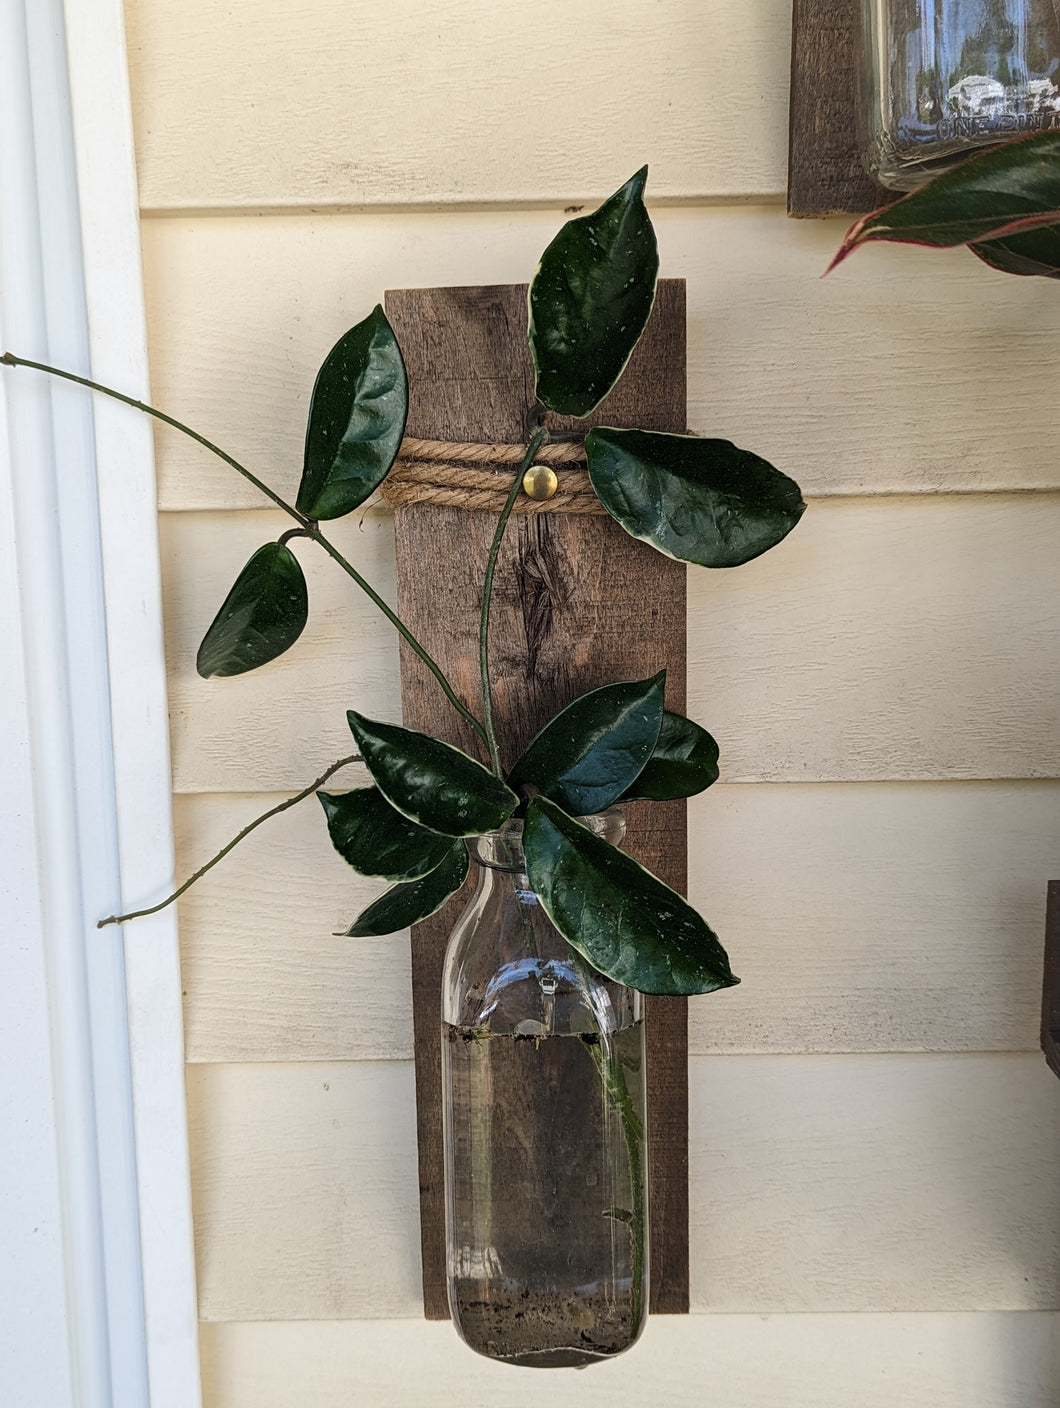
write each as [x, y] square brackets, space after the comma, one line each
[502, 851]
[509, 970]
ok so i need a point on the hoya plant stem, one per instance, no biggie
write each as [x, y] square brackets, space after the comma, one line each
[314, 534]
[308, 527]
[10, 360]
[241, 836]
[609, 1068]
[608, 1065]
[538, 438]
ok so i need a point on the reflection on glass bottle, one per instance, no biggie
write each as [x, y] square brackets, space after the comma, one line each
[941, 78]
[544, 1118]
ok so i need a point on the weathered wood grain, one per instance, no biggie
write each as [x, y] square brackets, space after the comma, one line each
[825, 174]
[577, 603]
[1050, 1028]
[860, 917]
[818, 1183]
[731, 1361]
[905, 371]
[263, 104]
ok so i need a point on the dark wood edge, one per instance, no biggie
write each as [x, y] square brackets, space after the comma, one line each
[1051, 982]
[825, 173]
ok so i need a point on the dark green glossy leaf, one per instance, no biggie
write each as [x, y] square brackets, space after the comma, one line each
[683, 762]
[432, 782]
[408, 904]
[1035, 252]
[356, 420]
[993, 195]
[377, 840]
[623, 919]
[593, 749]
[590, 300]
[702, 501]
[261, 617]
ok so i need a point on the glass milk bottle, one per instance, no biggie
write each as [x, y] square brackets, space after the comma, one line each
[544, 1120]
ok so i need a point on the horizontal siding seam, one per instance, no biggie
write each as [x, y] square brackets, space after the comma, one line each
[695, 1058]
[846, 495]
[734, 200]
[228, 794]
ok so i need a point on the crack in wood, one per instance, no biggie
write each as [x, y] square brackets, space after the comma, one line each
[542, 584]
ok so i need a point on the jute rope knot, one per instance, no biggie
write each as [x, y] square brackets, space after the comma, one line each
[477, 476]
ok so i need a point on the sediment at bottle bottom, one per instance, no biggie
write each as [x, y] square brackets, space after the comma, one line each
[540, 1330]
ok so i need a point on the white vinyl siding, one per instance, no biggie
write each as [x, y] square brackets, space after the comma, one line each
[874, 1137]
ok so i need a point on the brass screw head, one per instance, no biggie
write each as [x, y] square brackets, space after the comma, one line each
[540, 482]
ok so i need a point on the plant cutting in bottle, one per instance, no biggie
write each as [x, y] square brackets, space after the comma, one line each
[536, 820]
[695, 499]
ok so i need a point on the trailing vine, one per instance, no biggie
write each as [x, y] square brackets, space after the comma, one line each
[699, 500]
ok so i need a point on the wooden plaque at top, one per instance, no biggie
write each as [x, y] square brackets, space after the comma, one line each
[825, 174]
[577, 603]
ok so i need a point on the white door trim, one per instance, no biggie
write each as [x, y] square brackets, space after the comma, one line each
[86, 817]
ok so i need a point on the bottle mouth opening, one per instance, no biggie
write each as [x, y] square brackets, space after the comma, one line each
[503, 849]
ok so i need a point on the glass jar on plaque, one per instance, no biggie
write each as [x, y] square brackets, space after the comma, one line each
[941, 79]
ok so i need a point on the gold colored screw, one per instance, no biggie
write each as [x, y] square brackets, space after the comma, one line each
[540, 482]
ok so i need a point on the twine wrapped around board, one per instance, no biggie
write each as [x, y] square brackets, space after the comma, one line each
[476, 476]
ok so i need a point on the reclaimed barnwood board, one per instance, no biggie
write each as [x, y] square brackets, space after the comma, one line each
[577, 604]
[1051, 982]
[825, 174]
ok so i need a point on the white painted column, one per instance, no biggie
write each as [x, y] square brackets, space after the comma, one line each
[97, 1279]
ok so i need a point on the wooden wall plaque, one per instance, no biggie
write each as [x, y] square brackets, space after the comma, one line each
[825, 174]
[577, 603]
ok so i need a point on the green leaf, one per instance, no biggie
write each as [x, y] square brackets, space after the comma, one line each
[356, 420]
[593, 749]
[261, 617]
[995, 194]
[702, 501]
[590, 300]
[432, 782]
[1035, 252]
[623, 919]
[377, 840]
[683, 762]
[408, 904]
